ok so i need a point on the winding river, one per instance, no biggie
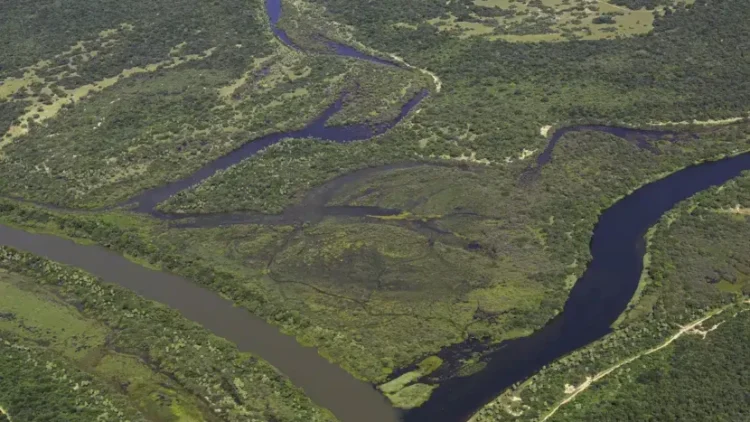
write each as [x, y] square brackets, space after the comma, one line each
[595, 302]
[597, 299]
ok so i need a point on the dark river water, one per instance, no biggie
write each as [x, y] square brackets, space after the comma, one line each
[595, 302]
[146, 201]
[597, 299]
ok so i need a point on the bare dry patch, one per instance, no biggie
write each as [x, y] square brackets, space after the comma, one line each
[707, 122]
[738, 210]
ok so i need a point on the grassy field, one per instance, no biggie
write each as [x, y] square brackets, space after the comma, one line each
[549, 20]
[35, 317]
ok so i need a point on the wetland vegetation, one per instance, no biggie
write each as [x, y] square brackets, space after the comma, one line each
[483, 245]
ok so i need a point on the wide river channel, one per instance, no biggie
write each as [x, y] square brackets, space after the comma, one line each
[595, 302]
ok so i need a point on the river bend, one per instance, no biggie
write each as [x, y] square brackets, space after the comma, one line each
[596, 301]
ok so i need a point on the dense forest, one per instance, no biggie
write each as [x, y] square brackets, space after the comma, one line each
[695, 379]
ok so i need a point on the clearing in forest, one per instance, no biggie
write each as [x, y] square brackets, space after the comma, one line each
[549, 20]
[42, 89]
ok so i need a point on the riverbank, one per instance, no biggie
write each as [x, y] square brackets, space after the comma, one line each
[348, 399]
[573, 391]
[684, 247]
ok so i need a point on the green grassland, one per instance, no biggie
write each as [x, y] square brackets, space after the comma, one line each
[38, 322]
[76, 347]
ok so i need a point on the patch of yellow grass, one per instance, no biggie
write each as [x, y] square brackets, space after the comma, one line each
[11, 85]
[559, 16]
[227, 91]
[525, 153]
[39, 112]
[739, 210]
[472, 158]
[407, 216]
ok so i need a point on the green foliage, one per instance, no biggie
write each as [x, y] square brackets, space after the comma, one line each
[404, 392]
[502, 93]
[376, 295]
[35, 385]
[412, 396]
[9, 112]
[244, 389]
[151, 128]
[281, 174]
[173, 107]
[31, 31]
[373, 295]
[496, 95]
[695, 379]
[699, 262]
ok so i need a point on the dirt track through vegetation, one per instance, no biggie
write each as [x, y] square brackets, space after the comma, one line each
[691, 328]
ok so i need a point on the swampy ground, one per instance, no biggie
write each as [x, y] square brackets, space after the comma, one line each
[480, 242]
